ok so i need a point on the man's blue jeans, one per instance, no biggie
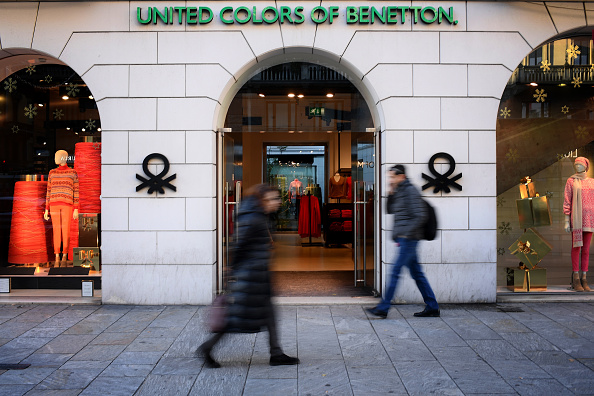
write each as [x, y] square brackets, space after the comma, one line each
[408, 257]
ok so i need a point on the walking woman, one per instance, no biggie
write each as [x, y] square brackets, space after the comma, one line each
[249, 298]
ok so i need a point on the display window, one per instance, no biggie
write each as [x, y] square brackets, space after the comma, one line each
[545, 201]
[50, 173]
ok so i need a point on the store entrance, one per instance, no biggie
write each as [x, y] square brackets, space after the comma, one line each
[303, 129]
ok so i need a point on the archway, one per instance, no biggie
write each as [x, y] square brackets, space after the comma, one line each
[306, 129]
[545, 120]
[45, 107]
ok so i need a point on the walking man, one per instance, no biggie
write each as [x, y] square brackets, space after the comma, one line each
[410, 213]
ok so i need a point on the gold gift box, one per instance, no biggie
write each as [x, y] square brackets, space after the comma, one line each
[521, 279]
[87, 257]
[530, 248]
[527, 189]
[533, 212]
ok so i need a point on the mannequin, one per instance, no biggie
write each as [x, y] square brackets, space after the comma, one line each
[337, 187]
[295, 188]
[61, 204]
[578, 208]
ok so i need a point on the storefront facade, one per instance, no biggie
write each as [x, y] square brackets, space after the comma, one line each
[432, 74]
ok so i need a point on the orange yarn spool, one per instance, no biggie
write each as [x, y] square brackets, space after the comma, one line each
[30, 235]
[87, 164]
[73, 238]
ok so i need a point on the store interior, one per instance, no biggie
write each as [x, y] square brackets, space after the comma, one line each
[303, 128]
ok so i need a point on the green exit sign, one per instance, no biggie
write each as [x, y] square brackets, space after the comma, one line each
[316, 111]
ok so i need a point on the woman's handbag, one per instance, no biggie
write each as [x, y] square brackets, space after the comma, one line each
[218, 314]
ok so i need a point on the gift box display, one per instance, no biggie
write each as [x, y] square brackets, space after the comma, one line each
[88, 230]
[534, 212]
[530, 248]
[522, 279]
[87, 257]
[527, 188]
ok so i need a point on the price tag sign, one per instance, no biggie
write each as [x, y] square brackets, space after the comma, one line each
[88, 289]
[4, 285]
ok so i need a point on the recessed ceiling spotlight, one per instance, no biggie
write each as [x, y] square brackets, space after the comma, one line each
[40, 104]
[534, 84]
[91, 97]
[98, 129]
[291, 95]
[328, 131]
[562, 85]
[261, 95]
[65, 97]
[83, 129]
[299, 131]
[300, 96]
[291, 131]
[262, 131]
[67, 128]
[329, 95]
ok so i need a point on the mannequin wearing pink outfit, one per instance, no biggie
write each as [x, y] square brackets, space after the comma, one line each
[578, 208]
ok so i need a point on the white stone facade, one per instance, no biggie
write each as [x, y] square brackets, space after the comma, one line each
[166, 88]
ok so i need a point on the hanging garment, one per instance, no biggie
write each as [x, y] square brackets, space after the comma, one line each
[349, 188]
[309, 217]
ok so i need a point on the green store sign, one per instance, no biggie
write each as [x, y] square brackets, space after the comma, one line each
[363, 15]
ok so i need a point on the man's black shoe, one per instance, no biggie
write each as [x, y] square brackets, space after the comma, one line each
[377, 312]
[283, 360]
[428, 313]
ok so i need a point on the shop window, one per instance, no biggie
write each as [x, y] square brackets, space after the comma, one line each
[46, 109]
[545, 121]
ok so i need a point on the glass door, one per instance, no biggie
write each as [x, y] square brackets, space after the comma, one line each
[363, 172]
[231, 193]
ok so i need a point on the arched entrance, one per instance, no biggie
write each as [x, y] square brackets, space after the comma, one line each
[46, 107]
[545, 121]
[306, 129]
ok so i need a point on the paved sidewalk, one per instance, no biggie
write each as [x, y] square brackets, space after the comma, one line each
[526, 349]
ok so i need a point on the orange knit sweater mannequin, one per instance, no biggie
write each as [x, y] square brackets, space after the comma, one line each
[61, 204]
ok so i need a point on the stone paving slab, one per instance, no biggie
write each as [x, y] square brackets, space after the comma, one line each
[503, 349]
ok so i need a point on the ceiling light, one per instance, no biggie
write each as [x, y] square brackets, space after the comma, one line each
[91, 97]
[98, 129]
[65, 97]
[329, 95]
[40, 105]
[83, 129]
[261, 95]
[299, 131]
[291, 131]
[67, 128]
[562, 85]
[291, 95]
[328, 131]
[300, 96]
[534, 84]
[262, 131]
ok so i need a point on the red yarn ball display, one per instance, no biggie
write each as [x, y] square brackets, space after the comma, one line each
[87, 163]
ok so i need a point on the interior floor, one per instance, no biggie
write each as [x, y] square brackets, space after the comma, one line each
[289, 255]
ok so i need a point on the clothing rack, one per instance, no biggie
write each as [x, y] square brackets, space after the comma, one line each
[310, 243]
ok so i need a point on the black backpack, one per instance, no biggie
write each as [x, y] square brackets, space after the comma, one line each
[430, 226]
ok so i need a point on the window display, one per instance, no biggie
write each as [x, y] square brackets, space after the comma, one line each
[48, 117]
[545, 124]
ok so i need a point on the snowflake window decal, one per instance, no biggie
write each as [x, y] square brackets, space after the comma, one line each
[505, 112]
[48, 79]
[30, 70]
[505, 228]
[500, 251]
[10, 85]
[73, 90]
[58, 114]
[565, 109]
[549, 194]
[540, 95]
[581, 132]
[512, 155]
[30, 111]
[500, 201]
[577, 82]
[573, 51]
[15, 129]
[546, 66]
[90, 124]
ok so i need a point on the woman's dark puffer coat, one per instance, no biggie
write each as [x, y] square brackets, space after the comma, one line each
[249, 287]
